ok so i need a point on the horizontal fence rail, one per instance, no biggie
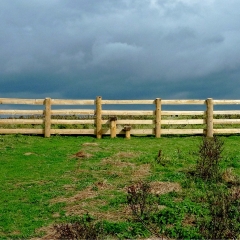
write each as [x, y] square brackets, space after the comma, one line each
[99, 121]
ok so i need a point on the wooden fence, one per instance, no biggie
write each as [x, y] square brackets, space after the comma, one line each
[97, 121]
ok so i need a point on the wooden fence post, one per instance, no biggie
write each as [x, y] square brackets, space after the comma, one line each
[99, 117]
[127, 130]
[209, 121]
[113, 126]
[47, 120]
[158, 118]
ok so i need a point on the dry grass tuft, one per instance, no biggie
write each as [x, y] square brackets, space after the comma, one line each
[117, 162]
[90, 144]
[229, 177]
[90, 206]
[190, 220]
[49, 233]
[29, 153]
[86, 193]
[125, 155]
[141, 172]
[164, 187]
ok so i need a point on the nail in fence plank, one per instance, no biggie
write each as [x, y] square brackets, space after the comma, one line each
[158, 118]
[47, 120]
[209, 103]
[99, 117]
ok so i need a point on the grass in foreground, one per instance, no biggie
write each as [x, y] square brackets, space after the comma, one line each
[48, 181]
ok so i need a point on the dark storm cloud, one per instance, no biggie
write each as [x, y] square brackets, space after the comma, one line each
[120, 49]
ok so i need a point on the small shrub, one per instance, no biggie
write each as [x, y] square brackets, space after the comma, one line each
[84, 228]
[209, 158]
[224, 207]
[142, 204]
[139, 199]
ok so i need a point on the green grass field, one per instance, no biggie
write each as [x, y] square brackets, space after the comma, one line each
[43, 182]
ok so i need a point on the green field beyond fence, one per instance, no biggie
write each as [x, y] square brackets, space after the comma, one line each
[49, 119]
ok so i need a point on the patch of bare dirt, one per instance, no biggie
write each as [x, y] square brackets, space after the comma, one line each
[81, 154]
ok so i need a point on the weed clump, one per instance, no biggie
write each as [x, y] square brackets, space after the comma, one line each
[207, 166]
[139, 198]
[141, 202]
[224, 212]
[83, 228]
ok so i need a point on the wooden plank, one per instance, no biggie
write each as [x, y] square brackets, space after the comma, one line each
[113, 126]
[135, 122]
[181, 113]
[128, 101]
[209, 103]
[226, 102]
[108, 131]
[179, 102]
[227, 131]
[21, 131]
[158, 117]
[72, 102]
[73, 112]
[21, 101]
[143, 131]
[232, 112]
[99, 117]
[64, 121]
[73, 131]
[133, 131]
[168, 131]
[182, 131]
[21, 112]
[47, 117]
[226, 121]
[21, 121]
[130, 122]
[127, 113]
[184, 121]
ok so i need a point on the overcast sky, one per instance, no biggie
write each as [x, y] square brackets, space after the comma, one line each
[120, 49]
